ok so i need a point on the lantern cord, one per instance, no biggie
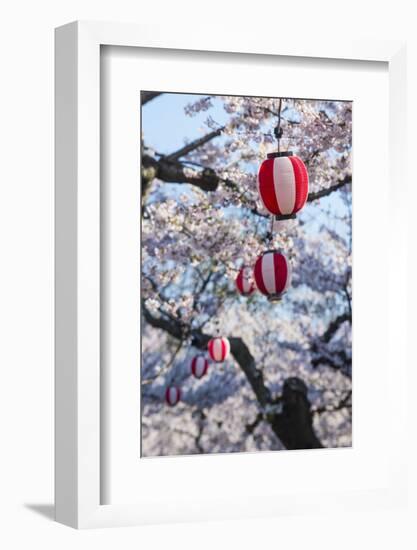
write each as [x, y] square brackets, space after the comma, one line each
[278, 129]
[217, 327]
[270, 234]
[218, 323]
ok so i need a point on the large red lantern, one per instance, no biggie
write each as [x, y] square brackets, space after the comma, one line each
[199, 366]
[283, 184]
[244, 282]
[172, 395]
[219, 349]
[272, 274]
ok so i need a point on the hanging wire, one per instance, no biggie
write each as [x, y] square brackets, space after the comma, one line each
[270, 234]
[278, 129]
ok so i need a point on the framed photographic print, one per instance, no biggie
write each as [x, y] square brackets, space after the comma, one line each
[228, 321]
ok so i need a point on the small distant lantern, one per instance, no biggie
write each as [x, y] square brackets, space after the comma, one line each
[199, 366]
[244, 282]
[272, 273]
[219, 349]
[283, 184]
[172, 395]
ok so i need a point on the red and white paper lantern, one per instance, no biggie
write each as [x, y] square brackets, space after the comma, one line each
[244, 282]
[272, 273]
[199, 366]
[172, 395]
[219, 349]
[283, 184]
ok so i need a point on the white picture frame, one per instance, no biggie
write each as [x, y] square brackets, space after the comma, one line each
[77, 242]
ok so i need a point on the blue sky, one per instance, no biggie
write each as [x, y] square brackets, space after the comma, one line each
[166, 126]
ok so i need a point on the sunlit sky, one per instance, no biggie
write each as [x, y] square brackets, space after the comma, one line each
[166, 126]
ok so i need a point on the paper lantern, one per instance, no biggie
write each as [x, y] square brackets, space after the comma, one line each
[219, 349]
[172, 395]
[244, 282]
[272, 273]
[283, 184]
[199, 366]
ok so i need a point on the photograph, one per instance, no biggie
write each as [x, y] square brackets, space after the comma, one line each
[246, 288]
[208, 275]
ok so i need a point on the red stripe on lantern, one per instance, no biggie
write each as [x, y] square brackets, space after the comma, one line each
[210, 348]
[301, 178]
[280, 272]
[257, 273]
[266, 186]
[239, 282]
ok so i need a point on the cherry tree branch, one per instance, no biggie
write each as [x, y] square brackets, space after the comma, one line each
[165, 368]
[328, 190]
[336, 359]
[145, 97]
[334, 326]
[194, 145]
[250, 428]
[172, 171]
[344, 403]
[171, 326]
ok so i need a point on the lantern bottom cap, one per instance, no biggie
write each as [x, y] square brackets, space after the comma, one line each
[275, 297]
[283, 217]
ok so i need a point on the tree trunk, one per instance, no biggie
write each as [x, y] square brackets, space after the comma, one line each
[294, 425]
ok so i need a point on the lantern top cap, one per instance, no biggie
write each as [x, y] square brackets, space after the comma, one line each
[272, 251]
[281, 154]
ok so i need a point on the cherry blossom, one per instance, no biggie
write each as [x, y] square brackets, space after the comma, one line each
[201, 222]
